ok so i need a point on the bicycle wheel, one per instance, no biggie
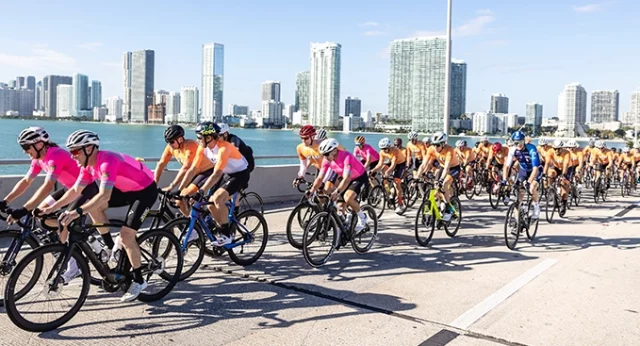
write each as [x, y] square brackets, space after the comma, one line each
[550, 207]
[297, 221]
[320, 239]
[363, 241]
[413, 192]
[251, 229]
[494, 198]
[160, 254]
[377, 199]
[251, 200]
[456, 218]
[604, 190]
[577, 196]
[532, 229]
[49, 303]
[512, 226]
[425, 224]
[468, 192]
[13, 252]
[194, 254]
[480, 182]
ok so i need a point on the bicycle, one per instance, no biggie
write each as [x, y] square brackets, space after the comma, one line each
[300, 216]
[52, 260]
[601, 187]
[201, 222]
[375, 195]
[250, 200]
[466, 184]
[392, 195]
[513, 228]
[322, 230]
[430, 213]
[553, 199]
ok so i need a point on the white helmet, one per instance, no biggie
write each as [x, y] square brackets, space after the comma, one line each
[484, 139]
[328, 145]
[321, 135]
[223, 128]
[461, 143]
[570, 143]
[32, 135]
[384, 143]
[82, 138]
[439, 138]
[426, 140]
[599, 144]
[412, 135]
[557, 144]
[542, 141]
[625, 150]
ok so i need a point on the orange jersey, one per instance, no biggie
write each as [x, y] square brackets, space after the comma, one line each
[500, 156]
[186, 155]
[466, 154]
[224, 156]
[484, 150]
[418, 150]
[626, 158]
[394, 155]
[577, 157]
[447, 154]
[601, 156]
[558, 159]
[311, 153]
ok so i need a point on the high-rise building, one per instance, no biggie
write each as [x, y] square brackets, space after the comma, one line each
[158, 110]
[635, 104]
[534, 116]
[26, 101]
[272, 113]
[8, 100]
[484, 123]
[51, 93]
[572, 109]
[271, 91]
[114, 109]
[127, 63]
[238, 110]
[142, 84]
[21, 82]
[64, 101]
[288, 111]
[13, 83]
[173, 105]
[80, 95]
[96, 94]
[499, 103]
[38, 96]
[100, 113]
[605, 106]
[188, 105]
[458, 98]
[324, 84]
[212, 81]
[629, 118]
[160, 96]
[31, 82]
[352, 106]
[302, 93]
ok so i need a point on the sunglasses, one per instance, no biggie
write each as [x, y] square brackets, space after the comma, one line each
[199, 137]
[518, 143]
[25, 147]
[305, 138]
[437, 145]
[74, 152]
[171, 141]
[359, 144]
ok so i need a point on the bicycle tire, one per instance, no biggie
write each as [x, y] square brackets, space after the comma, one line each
[10, 297]
[263, 244]
[378, 197]
[507, 229]
[413, 190]
[550, 199]
[494, 200]
[424, 218]
[455, 202]
[371, 217]
[295, 216]
[321, 219]
[531, 234]
[172, 279]
[183, 226]
[258, 205]
[6, 269]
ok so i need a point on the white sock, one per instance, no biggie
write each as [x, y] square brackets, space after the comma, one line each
[361, 215]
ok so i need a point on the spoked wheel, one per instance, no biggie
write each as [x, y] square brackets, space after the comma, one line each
[363, 240]
[425, 224]
[194, 252]
[532, 229]
[604, 192]
[320, 239]
[451, 227]
[414, 192]
[251, 200]
[298, 220]
[46, 304]
[250, 229]
[9, 240]
[512, 227]
[494, 198]
[377, 199]
[577, 195]
[480, 183]
[161, 263]
[551, 204]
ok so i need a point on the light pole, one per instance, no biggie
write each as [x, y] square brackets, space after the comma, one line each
[447, 73]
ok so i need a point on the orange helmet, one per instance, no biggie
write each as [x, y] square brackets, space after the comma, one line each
[496, 147]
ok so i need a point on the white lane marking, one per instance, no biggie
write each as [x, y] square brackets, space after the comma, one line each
[472, 315]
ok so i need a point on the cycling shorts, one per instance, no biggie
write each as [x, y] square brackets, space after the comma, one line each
[495, 163]
[524, 174]
[356, 184]
[85, 195]
[398, 172]
[235, 182]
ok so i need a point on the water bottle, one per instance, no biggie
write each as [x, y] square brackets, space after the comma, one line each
[115, 252]
[95, 245]
[208, 220]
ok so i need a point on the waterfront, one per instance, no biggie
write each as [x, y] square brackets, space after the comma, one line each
[148, 141]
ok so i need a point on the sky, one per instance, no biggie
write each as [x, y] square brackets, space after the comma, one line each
[527, 50]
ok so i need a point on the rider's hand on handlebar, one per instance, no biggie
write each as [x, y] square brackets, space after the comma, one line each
[503, 182]
[3, 205]
[17, 214]
[68, 216]
[440, 183]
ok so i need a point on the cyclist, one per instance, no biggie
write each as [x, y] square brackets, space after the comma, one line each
[601, 157]
[468, 159]
[185, 151]
[560, 160]
[588, 149]
[123, 182]
[245, 150]
[397, 165]
[416, 151]
[529, 162]
[368, 155]
[496, 158]
[230, 175]
[484, 148]
[626, 162]
[577, 159]
[309, 153]
[353, 173]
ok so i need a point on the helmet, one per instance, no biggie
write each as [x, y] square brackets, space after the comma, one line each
[496, 147]
[33, 135]
[439, 138]
[412, 135]
[542, 141]
[328, 145]
[173, 132]
[307, 131]
[484, 139]
[518, 136]
[570, 144]
[592, 142]
[207, 128]
[625, 150]
[614, 150]
[426, 140]
[604, 145]
[461, 143]
[224, 128]
[321, 135]
[384, 143]
[558, 143]
[599, 144]
[82, 138]
[359, 140]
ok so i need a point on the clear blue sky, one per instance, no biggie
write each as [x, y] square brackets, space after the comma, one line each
[526, 49]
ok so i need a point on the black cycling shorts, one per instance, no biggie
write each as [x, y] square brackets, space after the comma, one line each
[235, 182]
[201, 178]
[416, 164]
[86, 194]
[399, 170]
[601, 167]
[139, 202]
[496, 164]
[357, 184]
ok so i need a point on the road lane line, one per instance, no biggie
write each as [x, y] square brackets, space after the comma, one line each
[482, 308]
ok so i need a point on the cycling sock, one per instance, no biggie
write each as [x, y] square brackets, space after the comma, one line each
[361, 215]
[137, 275]
[224, 229]
[108, 240]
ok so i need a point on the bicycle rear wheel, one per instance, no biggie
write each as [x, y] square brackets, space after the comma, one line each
[9, 241]
[298, 220]
[532, 229]
[250, 227]
[377, 199]
[425, 224]
[456, 218]
[161, 261]
[363, 241]
[49, 303]
[494, 198]
[320, 239]
[194, 254]
[512, 226]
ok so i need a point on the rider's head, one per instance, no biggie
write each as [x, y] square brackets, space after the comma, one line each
[413, 137]
[207, 133]
[397, 142]
[224, 131]
[438, 140]
[307, 133]
[359, 141]
[329, 148]
[384, 144]
[174, 136]
[34, 142]
[518, 139]
[83, 146]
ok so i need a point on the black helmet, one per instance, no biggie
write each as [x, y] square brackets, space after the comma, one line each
[207, 128]
[173, 132]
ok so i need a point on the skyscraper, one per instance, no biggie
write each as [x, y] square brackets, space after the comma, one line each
[272, 113]
[51, 93]
[80, 94]
[302, 93]
[96, 94]
[238, 110]
[114, 109]
[21, 82]
[572, 109]
[173, 105]
[189, 105]
[458, 104]
[352, 106]
[324, 84]
[38, 96]
[26, 101]
[126, 105]
[499, 103]
[271, 91]
[534, 116]
[212, 81]
[635, 104]
[142, 83]
[605, 106]
[31, 82]
[64, 101]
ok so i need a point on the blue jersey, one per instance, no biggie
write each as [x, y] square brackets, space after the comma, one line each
[527, 158]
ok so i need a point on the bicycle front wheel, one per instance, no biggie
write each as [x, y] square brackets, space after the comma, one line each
[452, 227]
[14, 251]
[377, 199]
[252, 232]
[320, 239]
[550, 207]
[161, 261]
[512, 226]
[298, 220]
[362, 241]
[49, 303]
[194, 254]
[425, 224]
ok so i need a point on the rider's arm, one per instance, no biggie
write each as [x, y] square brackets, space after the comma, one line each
[162, 164]
[565, 163]
[189, 159]
[346, 175]
[368, 161]
[193, 170]
[426, 164]
[221, 163]
[48, 186]
[84, 179]
[507, 162]
[447, 164]
[393, 163]
[380, 164]
[535, 162]
[318, 182]
[489, 159]
[23, 184]
[304, 162]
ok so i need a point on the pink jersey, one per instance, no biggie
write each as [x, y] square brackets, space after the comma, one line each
[117, 170]
[344, 161]
[366, 150]
[58, 165]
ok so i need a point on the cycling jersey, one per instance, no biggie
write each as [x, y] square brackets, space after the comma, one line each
[245, 150]
[394, 155]
[542, 152]
[312, 154]
[576, 158]
[527, 158]
[225, 157]
[626, 158]
[447, 154]
[500, 156]
[558, 159]
[185, 155]
[366, 151]
[345, 162]
[601, 156]
[466, 154]
[483, 150]
[58, 165]
[418, 150]
[116, 170]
